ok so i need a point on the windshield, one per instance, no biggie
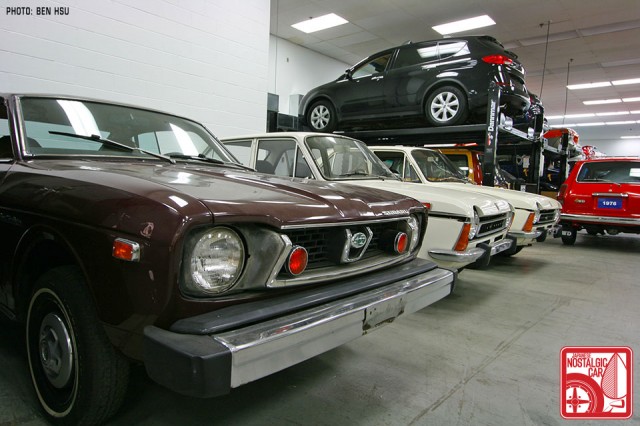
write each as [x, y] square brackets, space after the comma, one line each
[83, 128]
[340, 158]
[612, 171]
[436, 167]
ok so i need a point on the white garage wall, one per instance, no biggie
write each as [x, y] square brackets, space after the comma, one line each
[295, 70]
[618, 148]
[204, 59]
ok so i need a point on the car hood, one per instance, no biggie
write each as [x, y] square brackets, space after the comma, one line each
[229, 193]
[518, 199]
[443, 201]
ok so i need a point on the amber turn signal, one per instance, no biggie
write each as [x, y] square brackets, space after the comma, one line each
[126, 250]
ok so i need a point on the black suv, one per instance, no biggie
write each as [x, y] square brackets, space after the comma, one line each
[442, 81]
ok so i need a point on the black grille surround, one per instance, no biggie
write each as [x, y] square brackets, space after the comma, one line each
[334, 250]
[318, 241]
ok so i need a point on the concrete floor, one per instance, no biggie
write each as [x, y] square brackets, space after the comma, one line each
[487, 355]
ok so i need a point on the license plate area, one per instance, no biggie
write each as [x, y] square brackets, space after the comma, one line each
[610, 203]
[382, 313]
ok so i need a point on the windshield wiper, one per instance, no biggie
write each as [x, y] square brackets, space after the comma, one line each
[357, 174]
[199, 157]
[202, 157]
[112, 144]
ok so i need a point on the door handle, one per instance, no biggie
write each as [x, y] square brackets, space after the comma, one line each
[378, 77]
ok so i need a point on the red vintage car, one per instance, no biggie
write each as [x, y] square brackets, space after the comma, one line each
[601, 196]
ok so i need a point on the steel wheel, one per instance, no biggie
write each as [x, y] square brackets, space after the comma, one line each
[76, 373]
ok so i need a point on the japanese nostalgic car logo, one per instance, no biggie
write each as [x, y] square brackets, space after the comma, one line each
[358, 240]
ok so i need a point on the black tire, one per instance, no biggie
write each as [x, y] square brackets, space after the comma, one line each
[78, 376]
[446, 106]
[592, 231]
[570, 240]
[321, 117]
[542, 237]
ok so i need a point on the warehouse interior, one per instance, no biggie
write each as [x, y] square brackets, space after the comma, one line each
[489, 353]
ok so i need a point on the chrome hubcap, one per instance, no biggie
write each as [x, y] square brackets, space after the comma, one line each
[56, 352]
[444, 106]
[320, 117]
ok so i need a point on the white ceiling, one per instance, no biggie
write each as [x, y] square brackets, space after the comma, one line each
[602, 38]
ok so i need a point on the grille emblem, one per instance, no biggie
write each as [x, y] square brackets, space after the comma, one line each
[358, 240]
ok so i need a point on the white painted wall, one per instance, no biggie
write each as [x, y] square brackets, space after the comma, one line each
[295, 70]
[618, 148]
[204, 59]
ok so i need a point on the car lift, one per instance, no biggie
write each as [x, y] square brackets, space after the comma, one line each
[485, 135]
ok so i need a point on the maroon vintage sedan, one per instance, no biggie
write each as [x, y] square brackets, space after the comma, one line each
[131, 234]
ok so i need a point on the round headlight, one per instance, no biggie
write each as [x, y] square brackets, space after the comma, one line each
[475, 225]
[216, 262]
[556, 216]
[414, 232]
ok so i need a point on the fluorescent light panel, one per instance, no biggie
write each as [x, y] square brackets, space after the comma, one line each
[588, 85]
[464, 25]
[320, 23]
[603, 102]
[628, 81]
[604, 114]
[630, 137]
[630, 99]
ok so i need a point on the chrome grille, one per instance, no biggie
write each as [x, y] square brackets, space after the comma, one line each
[547, 216]
[492, 224]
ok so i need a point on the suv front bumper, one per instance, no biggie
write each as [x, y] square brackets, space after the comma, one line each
[207, 355]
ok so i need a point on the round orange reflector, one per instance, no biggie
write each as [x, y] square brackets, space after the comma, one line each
[402, 242]
[297, 262]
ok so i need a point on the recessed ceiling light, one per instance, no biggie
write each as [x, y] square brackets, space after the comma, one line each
[320, 23]
[615, 123]
[588, 114]
[588, 85]
[554, 117]
[635, 112]
[464, 25]
[629, 137]
[603, 101]
[628, 81]
[599, 123]
[604, 114]
[630, 99]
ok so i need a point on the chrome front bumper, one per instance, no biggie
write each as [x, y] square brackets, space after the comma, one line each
[473, 254]
[602, 220]
[209, 365]
[525, 235]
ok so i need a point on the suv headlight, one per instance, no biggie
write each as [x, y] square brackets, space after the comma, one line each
[475, 225]
[213, 262]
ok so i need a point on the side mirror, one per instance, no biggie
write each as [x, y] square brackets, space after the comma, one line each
[348, 74]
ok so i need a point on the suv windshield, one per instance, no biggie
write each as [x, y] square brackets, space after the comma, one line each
[436, 167]
[614, 171]
[340, 158]
[74, 127]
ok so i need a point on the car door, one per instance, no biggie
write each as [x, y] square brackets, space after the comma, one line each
[411, 73]
[361, 93]
[9, 228]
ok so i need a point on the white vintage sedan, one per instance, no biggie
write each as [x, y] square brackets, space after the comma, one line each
[535, 215]
[463, 228]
